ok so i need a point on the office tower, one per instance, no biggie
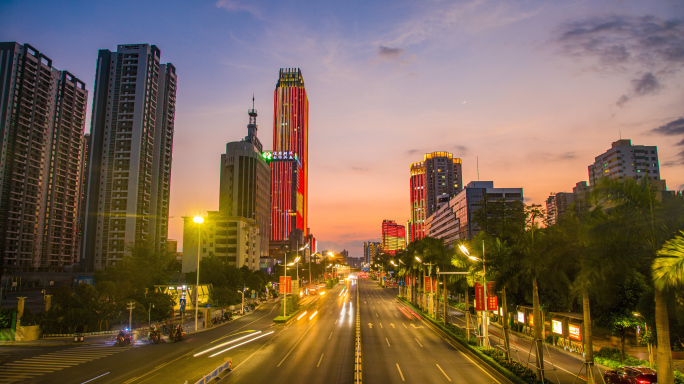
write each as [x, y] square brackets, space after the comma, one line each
[393, 237]
[245, 188]
[42, 117]
[289, 167]
[558, 204]
[130, 153]
[371, 250]
[435, 179]
[418, 201]
[624, 160]
[237, 240]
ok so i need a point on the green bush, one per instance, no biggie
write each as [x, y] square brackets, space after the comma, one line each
[6, 315]
[610, 357]
[526, 374]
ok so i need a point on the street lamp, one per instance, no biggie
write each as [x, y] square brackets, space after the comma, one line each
[199, 220]
[243, 299]
[485, 312]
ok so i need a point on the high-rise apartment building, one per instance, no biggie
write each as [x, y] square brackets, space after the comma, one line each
[246, 183]
[393, 237]
[83, 187]
[288, 161]
[624, 160]
[371, 250]
[435, 179]
[130, 153]
[42, 117]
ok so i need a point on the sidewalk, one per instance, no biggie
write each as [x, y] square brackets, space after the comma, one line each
[110, 338]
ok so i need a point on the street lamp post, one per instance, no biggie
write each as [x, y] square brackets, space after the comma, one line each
[485, 312]
[199, 220]
[243, 300]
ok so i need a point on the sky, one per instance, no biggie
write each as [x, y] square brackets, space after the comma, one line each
[526, 93]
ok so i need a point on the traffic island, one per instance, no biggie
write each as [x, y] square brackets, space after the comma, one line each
[512, 372]
[286, 319]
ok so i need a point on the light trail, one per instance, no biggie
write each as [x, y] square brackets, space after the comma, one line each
[224, 344]
[237, 345]
[300, 316]
[312, 316]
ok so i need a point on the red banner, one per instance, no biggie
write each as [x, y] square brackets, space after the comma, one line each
[492, 303]
[428, 284]
[285, 285]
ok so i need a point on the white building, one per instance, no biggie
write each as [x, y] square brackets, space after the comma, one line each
[626, 160]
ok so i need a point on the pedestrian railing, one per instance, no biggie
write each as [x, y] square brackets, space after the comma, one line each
[227, 365]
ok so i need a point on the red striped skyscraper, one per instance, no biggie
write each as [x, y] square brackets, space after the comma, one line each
[393, 237]
[289, 168]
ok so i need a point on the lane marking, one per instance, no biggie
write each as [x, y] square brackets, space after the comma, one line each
[335, 321]
[421, 345]
[330, 336]
[381, 325]
[440, 368]
[404, 325]
[319, 360]
[376, 314]
[296, 344]
[402, 375]
[388, 344]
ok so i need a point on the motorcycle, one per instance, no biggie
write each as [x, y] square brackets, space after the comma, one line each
[123, 338]
[154, 335]
[176, 334]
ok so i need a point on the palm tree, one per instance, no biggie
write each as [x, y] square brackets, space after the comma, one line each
[668, 273]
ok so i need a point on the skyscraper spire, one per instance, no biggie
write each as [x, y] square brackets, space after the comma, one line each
[252, 128]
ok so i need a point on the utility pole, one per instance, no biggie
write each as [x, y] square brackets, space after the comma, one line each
[131, 307]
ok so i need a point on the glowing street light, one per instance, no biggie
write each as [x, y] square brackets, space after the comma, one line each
[485, 331]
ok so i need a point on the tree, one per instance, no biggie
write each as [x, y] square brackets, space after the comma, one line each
[668, 274]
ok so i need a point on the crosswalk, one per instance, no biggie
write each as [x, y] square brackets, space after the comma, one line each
[27, 369]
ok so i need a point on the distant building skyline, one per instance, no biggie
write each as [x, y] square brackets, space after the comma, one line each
[624, 160]
[393, 237]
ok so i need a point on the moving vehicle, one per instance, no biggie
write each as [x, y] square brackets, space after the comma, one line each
[176, 334]
[123, 338]
[154, 334]
[631, 375]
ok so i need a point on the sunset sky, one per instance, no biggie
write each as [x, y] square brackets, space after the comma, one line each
[532, 90]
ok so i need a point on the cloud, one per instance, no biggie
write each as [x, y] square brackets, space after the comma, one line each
[235, 6]
[647, 84]
[622, 100]
[647, 44]
[412, 151]
[620, 40]
[360, 169]
[674, 127]
[390, 54]
[460, 150]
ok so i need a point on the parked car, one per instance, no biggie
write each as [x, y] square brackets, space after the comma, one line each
[631, 375]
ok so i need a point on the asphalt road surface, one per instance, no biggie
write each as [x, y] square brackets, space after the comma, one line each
[316, 347]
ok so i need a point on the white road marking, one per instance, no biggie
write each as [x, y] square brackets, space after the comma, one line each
[388, 344]
[319, 361]
[404, 325]
[330, 336]
[440, 368]
[402, 375]
[421, 345]
[381, 325]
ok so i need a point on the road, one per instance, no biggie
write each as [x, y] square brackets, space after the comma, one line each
[396, 347]
[317, 347]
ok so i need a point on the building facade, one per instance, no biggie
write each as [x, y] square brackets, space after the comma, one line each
[245, 187]
[558, 204]
[624, 160]
[42, 118]
[434, 180]
[459, 212]
[130, 153]
[371, 250]
[289, 166]
[237, 240]
[393, 237]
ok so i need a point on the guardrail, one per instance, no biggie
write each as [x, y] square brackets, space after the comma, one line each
[357, 357]
[214, 374]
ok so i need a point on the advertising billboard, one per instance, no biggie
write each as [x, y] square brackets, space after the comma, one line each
[557, 327]
[575, 332]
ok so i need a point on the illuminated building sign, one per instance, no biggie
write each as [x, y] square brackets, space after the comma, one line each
[521, 317]
[530, 318]
[557, 327]
[574, 332]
